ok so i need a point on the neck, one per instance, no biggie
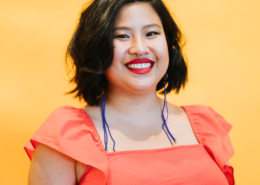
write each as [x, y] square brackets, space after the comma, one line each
[144, 107]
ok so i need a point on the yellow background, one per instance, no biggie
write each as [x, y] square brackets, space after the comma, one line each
[222, 49]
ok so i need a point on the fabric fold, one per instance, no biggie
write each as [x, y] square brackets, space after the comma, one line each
[71, 131]
[211, 129]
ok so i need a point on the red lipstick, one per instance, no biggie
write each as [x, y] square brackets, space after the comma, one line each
[140, 61]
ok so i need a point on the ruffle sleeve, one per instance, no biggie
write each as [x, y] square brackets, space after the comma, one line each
[211, 130]
[71, 131]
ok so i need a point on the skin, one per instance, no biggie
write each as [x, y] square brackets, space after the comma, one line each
[137, 35]
[133, 110]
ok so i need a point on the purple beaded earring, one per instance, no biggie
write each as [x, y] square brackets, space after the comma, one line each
[105, 125]
[165, 126]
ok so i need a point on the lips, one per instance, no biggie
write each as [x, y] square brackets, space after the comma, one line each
[140, 61]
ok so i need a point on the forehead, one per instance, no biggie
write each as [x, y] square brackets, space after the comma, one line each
[137, 14]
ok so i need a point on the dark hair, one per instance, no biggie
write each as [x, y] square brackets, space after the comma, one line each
[91, 49]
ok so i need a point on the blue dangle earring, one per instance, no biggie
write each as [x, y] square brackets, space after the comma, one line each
[165, 126]
[105, 125]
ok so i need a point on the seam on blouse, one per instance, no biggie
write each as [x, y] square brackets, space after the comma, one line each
[154, 150]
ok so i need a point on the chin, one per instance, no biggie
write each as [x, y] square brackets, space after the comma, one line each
[142, 87]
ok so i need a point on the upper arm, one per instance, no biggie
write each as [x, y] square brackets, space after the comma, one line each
[51, 167]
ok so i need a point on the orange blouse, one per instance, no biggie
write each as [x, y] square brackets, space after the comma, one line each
[71, 131]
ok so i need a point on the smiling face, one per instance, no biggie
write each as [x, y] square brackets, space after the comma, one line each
[138, 31]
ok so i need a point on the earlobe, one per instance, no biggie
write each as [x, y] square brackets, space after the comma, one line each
[165, 76]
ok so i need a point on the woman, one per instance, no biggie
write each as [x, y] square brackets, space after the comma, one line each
[123, 52]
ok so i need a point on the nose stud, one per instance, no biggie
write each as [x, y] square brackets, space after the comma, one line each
[139, 56]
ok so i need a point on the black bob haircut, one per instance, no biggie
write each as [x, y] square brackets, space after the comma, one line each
[91, 49]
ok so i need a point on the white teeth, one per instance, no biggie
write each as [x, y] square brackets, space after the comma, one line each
[139, 66]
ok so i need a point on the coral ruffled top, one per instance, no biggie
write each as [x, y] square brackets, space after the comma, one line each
[71, 131]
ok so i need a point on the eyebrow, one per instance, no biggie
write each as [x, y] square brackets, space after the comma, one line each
[128, 28]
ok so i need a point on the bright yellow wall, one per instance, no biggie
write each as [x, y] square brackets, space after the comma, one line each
[222, 48]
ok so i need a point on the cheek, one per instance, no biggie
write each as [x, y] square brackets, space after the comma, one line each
[164, 49]
[161, 51]
[116, 64]
[119, 51]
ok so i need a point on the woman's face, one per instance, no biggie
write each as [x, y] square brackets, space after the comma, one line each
[138, 31]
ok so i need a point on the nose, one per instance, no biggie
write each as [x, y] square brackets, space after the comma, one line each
[138, 47]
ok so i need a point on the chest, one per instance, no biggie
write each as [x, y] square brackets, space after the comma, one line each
[131, 138]
[175, 165]
[136, 139]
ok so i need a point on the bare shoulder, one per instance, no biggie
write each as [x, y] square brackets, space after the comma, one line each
[179, 123]
[179, 114]
[93, 111]
[175, 109]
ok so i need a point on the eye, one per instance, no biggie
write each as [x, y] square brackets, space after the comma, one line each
[122, 36]
[152, 33]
